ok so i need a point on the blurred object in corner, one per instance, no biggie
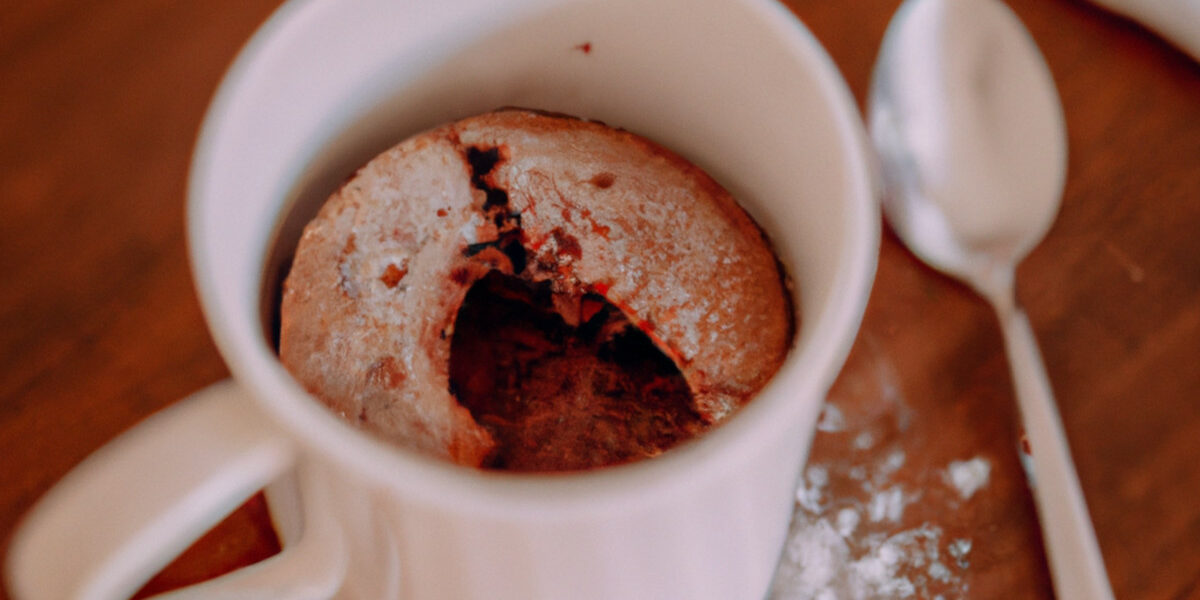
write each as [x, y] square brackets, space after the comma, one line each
[1177, 21]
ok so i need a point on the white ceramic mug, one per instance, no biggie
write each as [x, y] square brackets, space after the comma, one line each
[737, 86]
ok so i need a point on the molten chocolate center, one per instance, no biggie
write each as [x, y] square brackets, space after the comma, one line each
[557, 397]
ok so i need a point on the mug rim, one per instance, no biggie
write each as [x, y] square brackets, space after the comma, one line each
[320, 432]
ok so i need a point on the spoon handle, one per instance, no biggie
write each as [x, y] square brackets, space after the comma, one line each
[1076, 566]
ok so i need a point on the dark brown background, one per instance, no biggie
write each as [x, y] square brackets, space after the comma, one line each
[99, 326]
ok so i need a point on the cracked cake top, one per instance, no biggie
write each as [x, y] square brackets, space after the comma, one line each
[370, 305]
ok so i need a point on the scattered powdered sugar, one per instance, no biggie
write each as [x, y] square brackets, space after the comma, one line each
[824, 560]
[872, 521]
[887, 504]
[959, 549]
[850, 545]
[831, 419]
[847, 521]
[967, 476]
[864, 441]
[808, 496]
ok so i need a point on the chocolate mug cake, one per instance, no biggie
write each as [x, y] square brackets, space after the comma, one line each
[529, 291]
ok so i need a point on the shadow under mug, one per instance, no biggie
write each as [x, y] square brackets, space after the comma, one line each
[740, 88]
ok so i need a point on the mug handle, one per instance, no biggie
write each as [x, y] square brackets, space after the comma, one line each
[138, 502]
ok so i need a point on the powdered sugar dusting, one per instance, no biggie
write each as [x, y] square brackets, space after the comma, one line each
[831, 419]
[892, 498]
[850, 538]
[967, 476]
[846, 547]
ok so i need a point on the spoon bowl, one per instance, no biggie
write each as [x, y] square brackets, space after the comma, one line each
[971, 137]
[972, 151]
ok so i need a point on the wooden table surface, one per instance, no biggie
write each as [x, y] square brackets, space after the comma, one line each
[99, 324]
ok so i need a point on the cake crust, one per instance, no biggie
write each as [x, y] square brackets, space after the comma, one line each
[369, 306]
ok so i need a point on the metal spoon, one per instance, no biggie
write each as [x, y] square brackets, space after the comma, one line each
[972, 145]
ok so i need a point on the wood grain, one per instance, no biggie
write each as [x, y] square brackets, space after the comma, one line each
[99, 325]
